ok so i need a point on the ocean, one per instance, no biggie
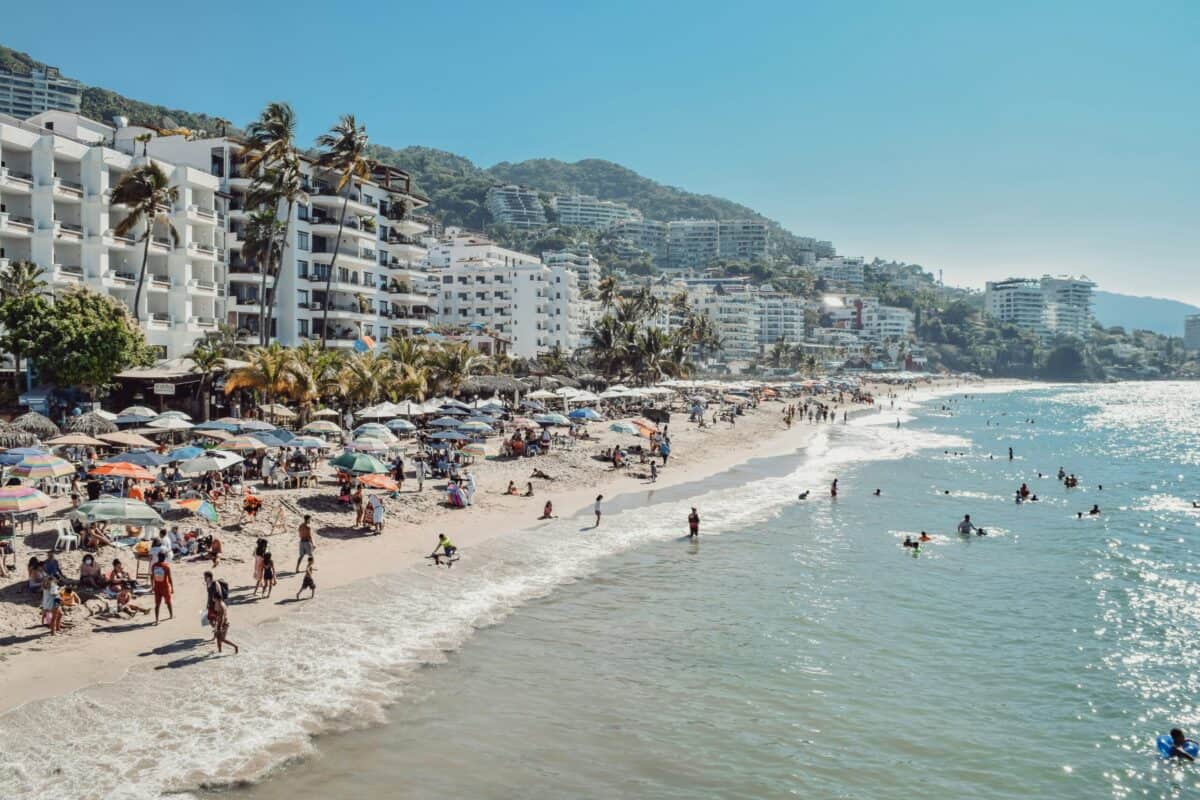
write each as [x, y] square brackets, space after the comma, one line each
[797, 649]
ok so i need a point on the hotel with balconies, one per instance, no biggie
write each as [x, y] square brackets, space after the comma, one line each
[378, 287]
[57, 173]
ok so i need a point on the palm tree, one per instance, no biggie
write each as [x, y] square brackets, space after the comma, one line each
[313, 373]
[408, 383]
[606, 291]
[343, 152]
[266, 373]
[207, 360]
[364, 377]
[19, 281]
[405, 351]
[225, 341]
[258, 246]
[451, 365]
[149, 195]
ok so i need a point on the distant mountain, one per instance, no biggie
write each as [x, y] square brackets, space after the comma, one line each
[1156, 314]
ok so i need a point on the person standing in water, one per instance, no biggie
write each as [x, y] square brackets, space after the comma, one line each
[599, 497]
[833, 489]
[693, 524]
[966, 526]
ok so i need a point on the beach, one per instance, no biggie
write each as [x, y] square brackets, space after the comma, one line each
[35, 666]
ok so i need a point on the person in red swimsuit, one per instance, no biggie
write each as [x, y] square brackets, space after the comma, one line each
[160, 577]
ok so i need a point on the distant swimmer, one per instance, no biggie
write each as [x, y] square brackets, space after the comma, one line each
[908, 542]
[878, 492]
[1195, 504]
[1010, 454]
[1179, 746]
[803, 495]
[693, 525]
[1095, 511]
[1062, 473]
[924, 537]
[833, 488]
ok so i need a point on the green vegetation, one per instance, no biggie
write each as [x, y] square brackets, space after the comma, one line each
[18, 62]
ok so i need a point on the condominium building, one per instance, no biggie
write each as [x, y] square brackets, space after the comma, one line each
[882, 323]
[734, 313]
[582, 263]
[591, 212]
[57, 174]
[1052, 306]
[781, 317]
[647, 235]
[515, 206]
[1191, 331]
[533, 306]
[1017, 301]
[693, 243]
[23, 94]
[376, 287]
[742, 239]
[841, 270]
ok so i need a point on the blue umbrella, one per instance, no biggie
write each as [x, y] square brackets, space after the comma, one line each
[551, 419]
[533, 404]
[446, 422]
[451, 436]
[143, 458]
[185, 453]
[588, 414]
[216, 426]
[455, 411]
[15, 456]
[254, 425]
[283, 434]
[133, 419]
[268, 438]
[483, 419]
[401, 425]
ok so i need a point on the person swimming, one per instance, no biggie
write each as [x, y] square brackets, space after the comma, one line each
[803, 495]
[878, 492]
[924, 537]
[1095, 510]
[1178, 744]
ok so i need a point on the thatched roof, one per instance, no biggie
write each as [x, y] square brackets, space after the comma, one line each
[89, 423]
[13, 437]
[39, 425]
[490, 384]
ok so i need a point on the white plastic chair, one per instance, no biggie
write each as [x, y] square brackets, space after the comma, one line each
[67, 538]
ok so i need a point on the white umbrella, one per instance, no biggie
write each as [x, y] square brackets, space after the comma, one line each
[325, 412]
[542, 394]
[176, 414]
[170, 424]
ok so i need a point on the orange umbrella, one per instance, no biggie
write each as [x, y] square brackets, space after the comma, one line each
[378, 481]
[123, 469]
[644, 428]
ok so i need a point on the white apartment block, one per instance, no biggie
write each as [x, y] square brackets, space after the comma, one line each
[884, 323]
[841, 270]
[647, 235]
[589, 212]
[379, 288]
[693, 243]
[515, 206]
[735, 315]
[1191, 331]
[57, 173]
[24, 94]
[1051, 306]
[513, 295]
[743, 239]
[583, 264]
[781, 318]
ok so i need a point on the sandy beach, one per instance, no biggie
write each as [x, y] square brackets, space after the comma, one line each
[34, 665]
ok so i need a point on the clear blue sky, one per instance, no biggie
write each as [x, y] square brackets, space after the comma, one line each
[985, 139]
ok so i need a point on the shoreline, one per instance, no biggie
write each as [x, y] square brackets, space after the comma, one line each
[54, 670]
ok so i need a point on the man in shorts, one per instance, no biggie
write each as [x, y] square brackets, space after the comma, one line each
[306, 541]
[160, 578]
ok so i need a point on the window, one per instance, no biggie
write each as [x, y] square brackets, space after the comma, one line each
[303, 329]
[302, 240]
[302, 298]
[302, 269]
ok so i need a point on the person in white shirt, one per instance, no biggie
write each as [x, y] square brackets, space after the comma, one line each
[599, 497]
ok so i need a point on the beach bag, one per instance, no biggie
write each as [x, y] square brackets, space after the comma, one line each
[204, 619]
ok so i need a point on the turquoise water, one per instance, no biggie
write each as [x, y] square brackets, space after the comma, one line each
[798, 650]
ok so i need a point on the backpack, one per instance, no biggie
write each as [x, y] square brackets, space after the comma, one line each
[223, 587]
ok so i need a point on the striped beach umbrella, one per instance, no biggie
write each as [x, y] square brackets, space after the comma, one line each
[42, 467]
[19, 499]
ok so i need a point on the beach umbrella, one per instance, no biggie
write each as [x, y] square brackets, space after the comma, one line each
[551, 419]
[118, 510]
[135, 419]
[42, 466]
[368, 445]
[254, 425]
[143, 458]
[242, 444]
[170, 424]
[322, 426]
[12, 437]
[308, 443]
[475, 449]
[586, 414]
[122, 469]
[622, 427]
[201, 508]
[401, 426]
[476, 427]
[18, 454]
[216, 425]
[491, 406]
[220, 436]
[91, 424]
[127, 439]
[201, 465]
[451, 436]
[138, 411]
[370, 426]
[269, 438]
[644, 428]
[454, 411]
[524, 422]
[532, 405]
[185, 453]
[325, 412]
[277, 410]
[39, 425]
[446, 422]
[176, 415]
[360, 464]
[74, 440]
[542, 394]
[19, 499]
[379, 481]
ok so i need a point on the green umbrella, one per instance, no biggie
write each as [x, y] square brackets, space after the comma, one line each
[360, 464]
[119, 511]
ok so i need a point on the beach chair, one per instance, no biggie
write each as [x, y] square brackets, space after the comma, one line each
[67, 538]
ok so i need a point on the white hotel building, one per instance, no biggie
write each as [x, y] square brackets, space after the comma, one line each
[379, 288]
[1051, 306]
[590, 212]
[57, 173]
[534, 307]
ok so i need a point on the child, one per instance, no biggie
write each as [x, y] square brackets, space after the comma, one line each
[125, 603]
[308, 583]
[548, 511]
[268, 574]
[214, 550]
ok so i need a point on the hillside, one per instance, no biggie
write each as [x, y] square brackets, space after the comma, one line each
[1156, 314]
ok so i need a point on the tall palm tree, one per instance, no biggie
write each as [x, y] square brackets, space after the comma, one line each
[408, 383]
[606, 290]
[313, 373]
[267, 373]
[258, 246]
[19, 281]
[206, 360]
[343, 152]
[364, 377]
[451, 365]
[406, 351]
[225, 341]
[149, 195]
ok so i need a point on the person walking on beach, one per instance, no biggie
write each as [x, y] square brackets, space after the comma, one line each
[164, 587]
[306, 541]
[693, 524]
[308, 582]
[218, 614]
[599, 497]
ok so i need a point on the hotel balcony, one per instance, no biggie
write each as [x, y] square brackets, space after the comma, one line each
[158, 282]
[160, 322]
[202, 251]
[327, 197]
[12, 180]
[199, 323]
[202, 215]
[15, 225]
[67, 274]
[70, 191]
[346, 257]
[68, 230]
[202, 287]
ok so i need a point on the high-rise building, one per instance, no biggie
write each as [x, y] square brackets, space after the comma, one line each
[1017, 301]
[589, 212]
[375, 288]
[23, 94]
[781, 317]
[582, 263]
[1191, 331]
[742, 239]
[1052, 306]
[841, 270]
[693, 243]
[647, 235]
[515, 206]
[57, 174]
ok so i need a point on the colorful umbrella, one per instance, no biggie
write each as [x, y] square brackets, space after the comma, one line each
[622, 427]
[143, 458]
[446, 422]
[42, 467]
[451, 436]
[201, 508]
[588, 414]
[551, 419]
[308, 443]
[367, 446]
[19, 499]
[75, 440]
[476, 427]
[322, 426]
[325, 412]
[242, 444]
[118, 510]
[18, 454]
[401, 425]
[185, 453]
[139, 411]
[524, 422]
[254, 425]
[123, 469]
[216, 425]
[360, 464]
[379, 481]
[475, 449]
[170, 424]
[177, 415]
